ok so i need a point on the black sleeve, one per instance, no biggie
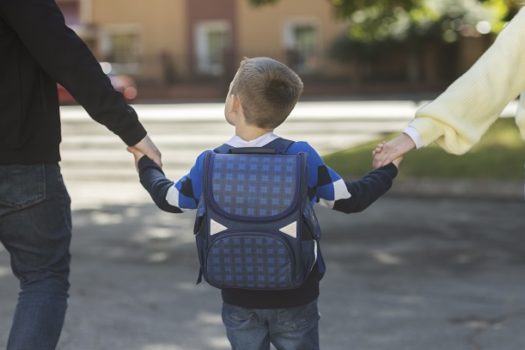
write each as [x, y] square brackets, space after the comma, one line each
[155, 182]
[61, 53]
[367, 190]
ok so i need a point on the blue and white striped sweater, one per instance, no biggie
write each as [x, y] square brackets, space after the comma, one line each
[326, 187]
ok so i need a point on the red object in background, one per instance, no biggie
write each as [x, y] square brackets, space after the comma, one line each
[122, 83]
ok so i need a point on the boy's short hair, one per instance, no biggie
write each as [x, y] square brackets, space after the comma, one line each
[268, 91]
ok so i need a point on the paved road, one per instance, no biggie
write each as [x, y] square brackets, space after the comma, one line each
[406, 274]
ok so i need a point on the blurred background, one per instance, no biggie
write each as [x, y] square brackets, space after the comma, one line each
[189, 50]
[367, 66]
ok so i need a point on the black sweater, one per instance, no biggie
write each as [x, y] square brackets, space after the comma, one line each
[37, 50]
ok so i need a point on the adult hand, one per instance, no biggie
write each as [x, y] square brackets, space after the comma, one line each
[136, 155]
[379, 148]
[148, 148]
[393, 150]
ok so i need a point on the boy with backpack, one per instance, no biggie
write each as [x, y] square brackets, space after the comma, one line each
[256, 231]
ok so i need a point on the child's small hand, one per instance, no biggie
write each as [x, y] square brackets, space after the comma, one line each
[136, 154]
[397, 161]
[377, 151]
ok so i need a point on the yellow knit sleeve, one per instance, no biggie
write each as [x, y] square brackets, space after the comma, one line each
[458, 118]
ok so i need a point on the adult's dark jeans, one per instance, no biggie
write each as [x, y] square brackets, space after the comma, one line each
[35, 228]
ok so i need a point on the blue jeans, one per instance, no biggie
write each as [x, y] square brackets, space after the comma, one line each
[35, 228]
[295, 328]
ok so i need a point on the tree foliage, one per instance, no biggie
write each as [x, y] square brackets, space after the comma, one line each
[376, 26]
[386, 20]
[262, 2]
[412, 19]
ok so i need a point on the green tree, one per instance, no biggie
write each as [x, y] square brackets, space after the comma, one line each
[385, 20]
[262, 2]
[375, 27]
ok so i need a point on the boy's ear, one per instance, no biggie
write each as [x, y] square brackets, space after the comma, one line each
[236, 103]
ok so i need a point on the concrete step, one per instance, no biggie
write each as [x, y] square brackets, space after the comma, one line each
[111, 145]
[191, 131]
[121, 175]
[91, 153]
[304, 110]
[110, 161]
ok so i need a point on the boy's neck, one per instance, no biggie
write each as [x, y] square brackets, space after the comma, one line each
[250, 132]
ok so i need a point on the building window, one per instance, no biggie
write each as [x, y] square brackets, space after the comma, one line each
[301, 40]
[212, 41]
[121, 46]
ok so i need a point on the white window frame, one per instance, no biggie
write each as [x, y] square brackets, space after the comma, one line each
[288, 38]
[105, 46]
[202, 29]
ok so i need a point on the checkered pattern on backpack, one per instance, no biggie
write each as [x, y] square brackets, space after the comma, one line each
[250, 262]
[254, 186]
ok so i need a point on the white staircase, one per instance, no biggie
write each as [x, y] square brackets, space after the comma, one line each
[91, 153]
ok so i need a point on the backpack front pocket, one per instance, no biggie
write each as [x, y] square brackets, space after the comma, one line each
[259, 261]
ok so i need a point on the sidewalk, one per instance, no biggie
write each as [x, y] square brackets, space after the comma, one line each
[406, 274]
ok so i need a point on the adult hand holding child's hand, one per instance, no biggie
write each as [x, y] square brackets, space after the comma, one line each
[392, 150]
[146, 147]
[378, 153]
[137, 155]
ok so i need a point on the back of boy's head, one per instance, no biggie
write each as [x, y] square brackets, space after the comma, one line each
[268, 91]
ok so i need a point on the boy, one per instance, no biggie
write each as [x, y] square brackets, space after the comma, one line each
[261, 96]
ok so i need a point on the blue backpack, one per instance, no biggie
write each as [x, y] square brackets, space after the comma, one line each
[255, 226]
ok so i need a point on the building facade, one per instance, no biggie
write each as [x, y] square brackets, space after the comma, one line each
[186, 43]
[177, 40]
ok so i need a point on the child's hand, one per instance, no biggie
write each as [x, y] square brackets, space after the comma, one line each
[378, 150]
[136, 154]
[397, 161]
[397, 147]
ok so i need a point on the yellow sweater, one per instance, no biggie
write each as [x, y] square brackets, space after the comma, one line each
[462, 114]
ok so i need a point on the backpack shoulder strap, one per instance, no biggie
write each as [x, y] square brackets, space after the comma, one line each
[280, 145]
[223, 149]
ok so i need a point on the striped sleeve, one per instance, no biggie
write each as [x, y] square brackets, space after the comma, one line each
[330, 190]
[167, 195]
[326, 186]
[367, 189]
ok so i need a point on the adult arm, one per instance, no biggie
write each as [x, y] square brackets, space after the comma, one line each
[462, 114]
[64, 57]
[458, 118]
